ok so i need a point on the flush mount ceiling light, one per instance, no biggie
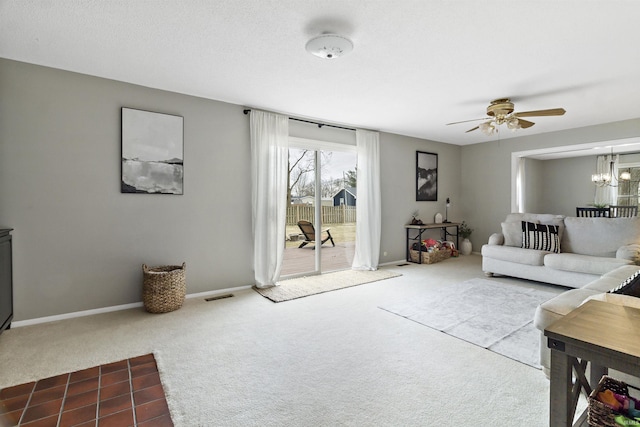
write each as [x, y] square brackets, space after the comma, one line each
[329, 46]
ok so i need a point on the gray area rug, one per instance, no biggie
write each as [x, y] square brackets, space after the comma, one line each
[493, 315]
[312, 285]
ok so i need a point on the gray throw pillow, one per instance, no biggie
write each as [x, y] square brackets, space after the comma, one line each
[512, 232]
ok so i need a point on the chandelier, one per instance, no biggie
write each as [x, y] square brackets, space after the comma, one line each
[609, 178]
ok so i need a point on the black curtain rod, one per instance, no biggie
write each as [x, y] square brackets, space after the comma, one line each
[320, 125]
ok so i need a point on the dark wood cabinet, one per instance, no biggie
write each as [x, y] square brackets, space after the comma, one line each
[6, 280]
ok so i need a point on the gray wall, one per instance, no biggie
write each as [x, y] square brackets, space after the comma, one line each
[566, 183]
[398, 170]
[558, 186]
[79, 243]
[629, 158]
[486, 172]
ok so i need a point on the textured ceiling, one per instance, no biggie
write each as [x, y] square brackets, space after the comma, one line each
[416, 65]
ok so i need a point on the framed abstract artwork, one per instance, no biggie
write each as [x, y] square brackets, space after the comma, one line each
[426, 176]
[152, 152]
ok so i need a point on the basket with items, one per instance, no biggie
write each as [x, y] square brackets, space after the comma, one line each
[432, 251]
[611, 405]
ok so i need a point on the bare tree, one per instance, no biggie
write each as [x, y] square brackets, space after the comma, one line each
[300, 172]
[330, 187]
[299, 166]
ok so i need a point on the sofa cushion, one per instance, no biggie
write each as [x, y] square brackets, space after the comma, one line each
[583, 263]
[540, 236]
[537, 218]
[612, 279]
[517, 255]
[599, 236]
[557, 307]
[631, 286]
[549, 219]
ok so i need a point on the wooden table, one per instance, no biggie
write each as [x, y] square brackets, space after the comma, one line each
[603, 334]
[422, 227]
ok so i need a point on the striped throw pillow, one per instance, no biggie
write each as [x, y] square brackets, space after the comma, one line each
[630, 286]
[542, 237]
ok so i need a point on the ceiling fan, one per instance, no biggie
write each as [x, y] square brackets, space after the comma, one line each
[500, 111]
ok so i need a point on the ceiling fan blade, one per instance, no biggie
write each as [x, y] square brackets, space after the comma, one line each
[471, 130]
[466, 121]
[525, 123]
[540, 113]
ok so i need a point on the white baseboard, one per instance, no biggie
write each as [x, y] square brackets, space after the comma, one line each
[83, 313]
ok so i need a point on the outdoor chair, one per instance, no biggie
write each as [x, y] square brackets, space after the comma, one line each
[623, 211]
[310, 234]
[592, 212]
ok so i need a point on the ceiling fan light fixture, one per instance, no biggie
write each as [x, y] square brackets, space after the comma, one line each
[514, 124]
[488, 128]
[501, 112]
[329, 46]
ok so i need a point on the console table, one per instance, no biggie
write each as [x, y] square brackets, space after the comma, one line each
[603, 334]
[419, 229]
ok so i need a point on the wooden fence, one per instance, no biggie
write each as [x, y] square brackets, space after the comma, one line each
[330, 214]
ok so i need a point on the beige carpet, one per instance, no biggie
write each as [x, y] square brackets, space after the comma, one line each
[333, 360]
[312, 285]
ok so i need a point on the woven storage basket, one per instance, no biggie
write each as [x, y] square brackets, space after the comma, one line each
[164, 288]
[429, 257]
[599, 414]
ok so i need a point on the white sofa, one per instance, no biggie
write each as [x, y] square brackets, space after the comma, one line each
[589, 248]
[554, 309]
[596, 256]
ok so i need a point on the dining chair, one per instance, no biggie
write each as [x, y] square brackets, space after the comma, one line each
[623, 211]
[592, 212]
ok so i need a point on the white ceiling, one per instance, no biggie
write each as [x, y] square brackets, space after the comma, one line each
[416, 65]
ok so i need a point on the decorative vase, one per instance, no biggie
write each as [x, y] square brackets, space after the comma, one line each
[466, 247]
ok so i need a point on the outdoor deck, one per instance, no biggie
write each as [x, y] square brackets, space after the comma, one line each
[301, 260]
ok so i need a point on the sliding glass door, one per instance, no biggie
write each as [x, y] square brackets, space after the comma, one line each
[321, 209]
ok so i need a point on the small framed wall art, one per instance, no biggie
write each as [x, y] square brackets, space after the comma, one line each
[426, 176]
[152, 152]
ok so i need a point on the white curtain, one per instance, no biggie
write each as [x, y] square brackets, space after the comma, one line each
[269, 164]
[368, 213]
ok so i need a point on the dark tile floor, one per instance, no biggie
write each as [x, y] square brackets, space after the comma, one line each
[124, 393]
